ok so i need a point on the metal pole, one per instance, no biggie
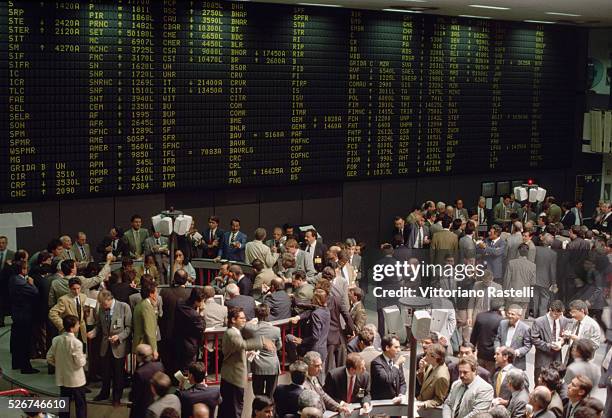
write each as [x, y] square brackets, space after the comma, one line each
[412, 375]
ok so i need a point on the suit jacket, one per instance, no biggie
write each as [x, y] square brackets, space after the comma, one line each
[493, 256]
[145, 325]
[286, 399]
[67, 254]
[66, 354]
[266, 362]
[521, 341]
[387, 382]
[484, 332]
[556, 405]
[544, 414]
[122, 292]
[227, 251]
[23, 298]
[234, 369]
[512, 244]
[554, 213]
[60, 288]
[188, 332]
[141, 395]
[279, 303]
[214, 314]
[167, 401]
[198, 393]
[121, 325]
[541, 337]
[121, 249]
[257, 250]
[326, 402]
[477, 398]
[336, 386]
[210, 250]
[66, 305]
[467, 248]
[171, 296]
[568, 219]
[315, 331]
[78, 255]
[264, 277]
[518, 403]
[245, 285]
[359, 316]
[338, 307]
[247, 303]
[318, 257]
[306, 265]
[132, 237]
[414, 231]
[159, 252]
[9, 256]
[488, 215]
[434, 386]
[443, 243]
[461, 214]
[589, 329]
[501, 213]
[520, 273]
[505, 392]
[405, 234]
[546, 267]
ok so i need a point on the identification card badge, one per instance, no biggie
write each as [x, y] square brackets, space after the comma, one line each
[317, 260]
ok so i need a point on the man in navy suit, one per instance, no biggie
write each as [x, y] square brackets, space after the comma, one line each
[233, 243]
[141, 394]
[244, 282]
[387, 376]
[198, 392]
[400, 228]
[235, 299]
[493, 250]
[337, 383]
[286, 396]
[212, 237]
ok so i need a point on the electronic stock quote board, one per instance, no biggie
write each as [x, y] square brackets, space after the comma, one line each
[133, 96]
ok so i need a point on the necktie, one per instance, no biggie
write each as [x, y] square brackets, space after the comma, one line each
[157, 241]
[136, 241]
[554, 330]
[82, 252]
[2, 258]
[78, 306]
[115, 244]
[349, 394]
[420, 238]
[232, 237]
[211, 236]
[498, 383]
[458, 404]
[480, 215]
[107, 318]
[578, 328]
[308, 249]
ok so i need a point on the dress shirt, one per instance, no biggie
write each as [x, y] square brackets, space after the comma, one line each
[510, 335]
[349, 386]
[556, 328]
[493, 242]
[481, 215]
[418, 243]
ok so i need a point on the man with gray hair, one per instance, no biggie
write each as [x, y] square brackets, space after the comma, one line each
[200, 410]
[311, 412]
[498, 412]
[315, 366]
[235, 300]
[257, 250]
[308, 399]
[515, 334]
[520, 397]
[67, 253]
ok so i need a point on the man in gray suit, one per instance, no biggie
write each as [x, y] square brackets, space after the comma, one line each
[546, 275]
[302, 261]
[470, 395]
[257, 250]
[520, 274]
[504, 357]
[547, 337]
[515, 334]
[514, 241]
[520, 397]
[161, 385]
[492, 251]
[582, 353]
[467, 245]
[157, 246]
[265, 365]
[114, 325]
[582, 327]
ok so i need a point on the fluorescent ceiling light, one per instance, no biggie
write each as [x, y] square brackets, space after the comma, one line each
[482, 6]
[402, 10]
[319, 4]
[562, 14]
[539, 21]
[475, 17]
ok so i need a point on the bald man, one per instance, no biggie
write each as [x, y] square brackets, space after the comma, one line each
[200, 410]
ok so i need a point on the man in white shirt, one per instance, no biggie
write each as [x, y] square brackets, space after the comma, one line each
[66, 354]
[583, 326]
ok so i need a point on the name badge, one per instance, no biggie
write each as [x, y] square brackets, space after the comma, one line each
[318, 260]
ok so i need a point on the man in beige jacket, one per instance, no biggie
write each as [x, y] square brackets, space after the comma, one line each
[71, 304]
[66, 354]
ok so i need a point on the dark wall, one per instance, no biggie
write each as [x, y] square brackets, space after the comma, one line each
[364, 210]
